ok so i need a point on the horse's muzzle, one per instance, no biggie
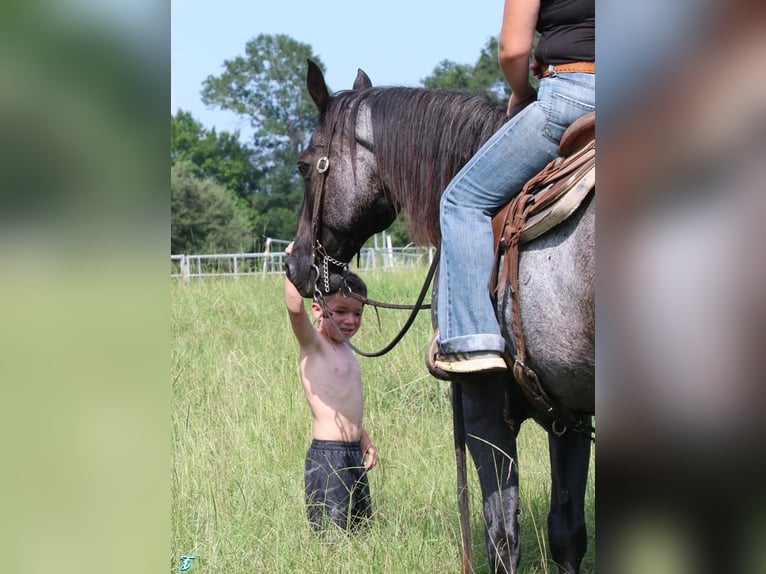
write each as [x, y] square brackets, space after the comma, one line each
[299, 272]
[310, 276]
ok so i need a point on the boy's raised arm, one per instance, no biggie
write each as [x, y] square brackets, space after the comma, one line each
[299, 319]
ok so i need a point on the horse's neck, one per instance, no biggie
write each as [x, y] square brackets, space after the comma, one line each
[443, 137]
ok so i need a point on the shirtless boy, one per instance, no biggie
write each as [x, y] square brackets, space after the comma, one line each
[341, 452]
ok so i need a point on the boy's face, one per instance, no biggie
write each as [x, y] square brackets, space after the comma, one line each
[345, 311]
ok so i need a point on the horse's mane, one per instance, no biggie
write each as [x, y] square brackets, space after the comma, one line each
[422, 139]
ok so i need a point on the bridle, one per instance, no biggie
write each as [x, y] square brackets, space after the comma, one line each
[321, 261]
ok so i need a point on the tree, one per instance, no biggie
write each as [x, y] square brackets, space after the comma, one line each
[204, 216]
[483, 76]
[221, 157]
[449, 75]
[268, 87]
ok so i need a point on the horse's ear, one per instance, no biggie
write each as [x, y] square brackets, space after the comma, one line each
[362, 81]
[317, 86]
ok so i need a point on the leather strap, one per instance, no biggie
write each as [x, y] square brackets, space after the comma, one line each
[538, 193]
[571, 67]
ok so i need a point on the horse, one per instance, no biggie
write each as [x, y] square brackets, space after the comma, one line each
[379, 151]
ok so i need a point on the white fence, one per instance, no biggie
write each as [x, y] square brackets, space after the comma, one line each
[188, 267]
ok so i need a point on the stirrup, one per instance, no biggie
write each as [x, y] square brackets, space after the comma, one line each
[433, 348]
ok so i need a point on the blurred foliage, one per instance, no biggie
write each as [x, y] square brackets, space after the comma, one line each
[83, 244]
[77, 100]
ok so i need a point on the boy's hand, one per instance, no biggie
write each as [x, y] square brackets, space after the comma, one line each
[370, 456]
[288, 250]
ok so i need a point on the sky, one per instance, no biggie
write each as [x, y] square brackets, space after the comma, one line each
[397, 42]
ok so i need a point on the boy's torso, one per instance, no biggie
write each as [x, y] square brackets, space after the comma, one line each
[333, 386]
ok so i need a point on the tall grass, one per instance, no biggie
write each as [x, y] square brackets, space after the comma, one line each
[241, 426]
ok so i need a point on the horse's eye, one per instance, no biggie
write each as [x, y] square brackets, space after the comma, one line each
[303, 168]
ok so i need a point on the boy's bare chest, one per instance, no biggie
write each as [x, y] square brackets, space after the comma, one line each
[336, 363]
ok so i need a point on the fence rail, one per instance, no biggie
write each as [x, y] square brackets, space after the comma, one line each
[188, 267]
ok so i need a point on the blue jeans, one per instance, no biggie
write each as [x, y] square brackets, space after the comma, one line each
[518, 150]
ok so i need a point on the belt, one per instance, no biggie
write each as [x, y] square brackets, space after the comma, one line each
[581, 67]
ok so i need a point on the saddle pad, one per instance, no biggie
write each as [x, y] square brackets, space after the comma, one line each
[548, 219]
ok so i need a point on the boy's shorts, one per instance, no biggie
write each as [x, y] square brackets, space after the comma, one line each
[337, 490]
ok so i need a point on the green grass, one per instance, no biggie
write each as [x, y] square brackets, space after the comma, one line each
[241, 427]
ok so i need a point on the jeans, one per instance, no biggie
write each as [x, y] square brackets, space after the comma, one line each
[517, 151]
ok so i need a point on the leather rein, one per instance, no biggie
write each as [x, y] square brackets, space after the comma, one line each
[321, 260]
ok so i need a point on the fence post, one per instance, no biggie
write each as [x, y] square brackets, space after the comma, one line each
[266, 256]
[389, 251]
[184, 268]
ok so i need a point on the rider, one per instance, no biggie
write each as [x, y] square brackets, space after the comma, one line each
[470, 340]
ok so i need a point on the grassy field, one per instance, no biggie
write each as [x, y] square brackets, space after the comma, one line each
[241, 426]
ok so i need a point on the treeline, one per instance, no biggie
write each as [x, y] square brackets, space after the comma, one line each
[229, 196]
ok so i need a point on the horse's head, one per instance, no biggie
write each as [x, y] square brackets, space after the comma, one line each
[344, 202]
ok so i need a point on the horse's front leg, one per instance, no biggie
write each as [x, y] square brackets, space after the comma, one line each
[570, 459]
[492, 445]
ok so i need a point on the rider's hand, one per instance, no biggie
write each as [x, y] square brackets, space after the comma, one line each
[517, 103]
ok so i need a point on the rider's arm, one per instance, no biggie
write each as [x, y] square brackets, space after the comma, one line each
[515, 45]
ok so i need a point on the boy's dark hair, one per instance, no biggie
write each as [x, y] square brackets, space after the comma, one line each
[354, 283]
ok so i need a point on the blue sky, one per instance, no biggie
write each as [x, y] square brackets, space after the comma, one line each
[397, 42]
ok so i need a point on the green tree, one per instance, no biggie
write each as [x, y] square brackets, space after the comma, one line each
[483, 76]
[221, 157]
[205, 217]
[449, 75]
[267, 86]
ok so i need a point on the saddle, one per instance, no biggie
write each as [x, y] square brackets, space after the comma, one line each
[550, 197]
[546, 200]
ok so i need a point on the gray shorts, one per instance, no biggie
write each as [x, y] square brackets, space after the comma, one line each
[337, 490]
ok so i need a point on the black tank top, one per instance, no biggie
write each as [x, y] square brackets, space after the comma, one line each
[567, 31]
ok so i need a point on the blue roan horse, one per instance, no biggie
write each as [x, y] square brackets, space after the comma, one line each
[377, 151]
